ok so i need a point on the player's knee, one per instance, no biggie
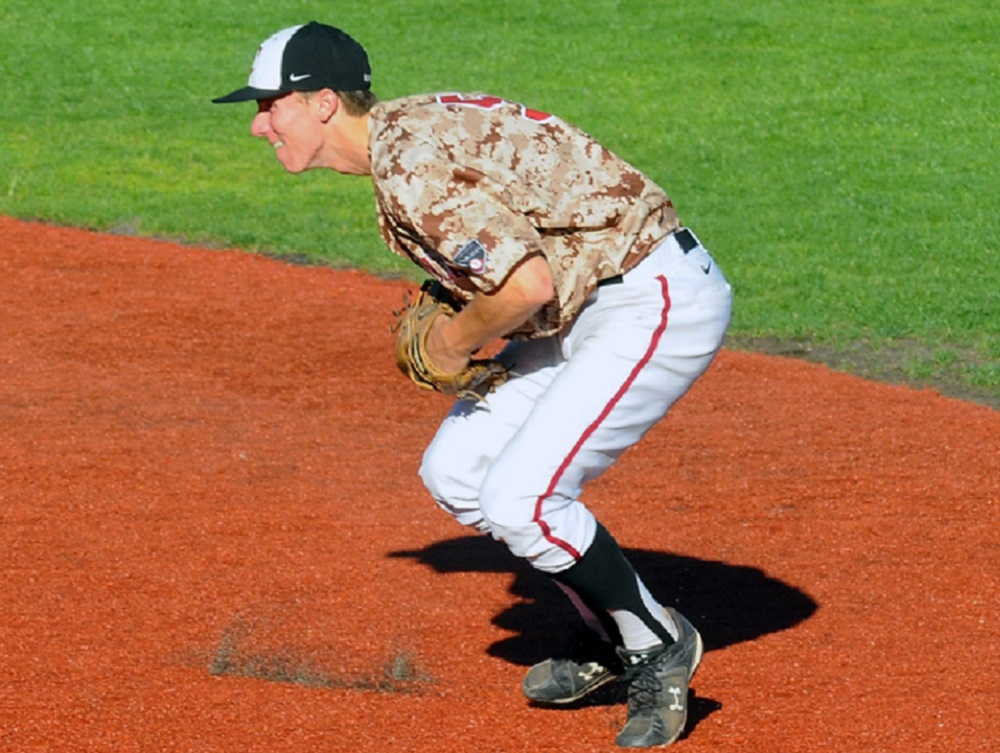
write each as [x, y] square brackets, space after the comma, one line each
[509, 512]
[453, 493]
[520, 533]
[438, 472]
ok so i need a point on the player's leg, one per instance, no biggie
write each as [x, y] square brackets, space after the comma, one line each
[695, 315]
[643, 348]
[594, 410]
[474, 433]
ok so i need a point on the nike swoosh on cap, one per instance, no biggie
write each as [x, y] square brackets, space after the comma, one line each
[292, 77]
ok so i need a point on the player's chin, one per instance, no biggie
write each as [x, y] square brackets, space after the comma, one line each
[289, 163]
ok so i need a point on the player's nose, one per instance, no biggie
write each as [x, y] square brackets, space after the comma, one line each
[261, 124]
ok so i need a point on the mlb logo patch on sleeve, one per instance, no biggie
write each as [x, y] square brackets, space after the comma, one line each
[472, 256]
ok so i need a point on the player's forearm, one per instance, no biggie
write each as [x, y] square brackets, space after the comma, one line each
[488, 317]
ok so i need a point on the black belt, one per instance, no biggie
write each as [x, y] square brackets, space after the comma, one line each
[685, 239]
[609, 281]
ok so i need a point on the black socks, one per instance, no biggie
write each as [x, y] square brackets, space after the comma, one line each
[607, 582]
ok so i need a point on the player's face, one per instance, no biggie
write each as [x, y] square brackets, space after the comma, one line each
[290, 126]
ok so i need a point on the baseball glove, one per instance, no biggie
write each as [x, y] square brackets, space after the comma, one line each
[414, 321]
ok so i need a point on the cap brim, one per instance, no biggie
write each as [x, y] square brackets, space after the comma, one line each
[247, 94]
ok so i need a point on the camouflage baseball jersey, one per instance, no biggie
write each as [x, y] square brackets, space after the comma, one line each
[468, 186]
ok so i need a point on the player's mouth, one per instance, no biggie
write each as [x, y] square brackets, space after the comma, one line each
[278, 144]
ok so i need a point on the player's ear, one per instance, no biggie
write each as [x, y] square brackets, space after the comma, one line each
[327, 103]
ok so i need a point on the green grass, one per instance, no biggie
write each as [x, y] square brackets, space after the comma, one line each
[839, 157]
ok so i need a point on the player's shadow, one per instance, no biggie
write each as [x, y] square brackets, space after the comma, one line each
[727, 603]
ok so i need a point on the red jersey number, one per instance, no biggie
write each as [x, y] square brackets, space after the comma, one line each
[489, 102]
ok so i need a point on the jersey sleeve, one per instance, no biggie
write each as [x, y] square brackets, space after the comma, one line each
[476, 236]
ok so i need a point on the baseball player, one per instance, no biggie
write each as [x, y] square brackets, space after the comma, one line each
[609, 307]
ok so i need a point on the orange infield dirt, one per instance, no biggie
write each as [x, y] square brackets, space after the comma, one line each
[212, 536]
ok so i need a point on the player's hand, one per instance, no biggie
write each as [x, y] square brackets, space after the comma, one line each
[446, 358]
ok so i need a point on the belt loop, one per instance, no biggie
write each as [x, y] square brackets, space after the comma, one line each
[686, 239]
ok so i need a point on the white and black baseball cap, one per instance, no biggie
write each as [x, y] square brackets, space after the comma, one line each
[308, 57]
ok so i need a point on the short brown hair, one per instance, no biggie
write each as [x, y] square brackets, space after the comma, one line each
[358, 102]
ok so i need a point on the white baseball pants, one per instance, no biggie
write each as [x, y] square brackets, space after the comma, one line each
[515, 466]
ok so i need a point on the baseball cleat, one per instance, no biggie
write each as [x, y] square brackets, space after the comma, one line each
[587, 663]
[658, 688]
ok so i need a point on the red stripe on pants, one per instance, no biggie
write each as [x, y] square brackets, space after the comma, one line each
[653, 343]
